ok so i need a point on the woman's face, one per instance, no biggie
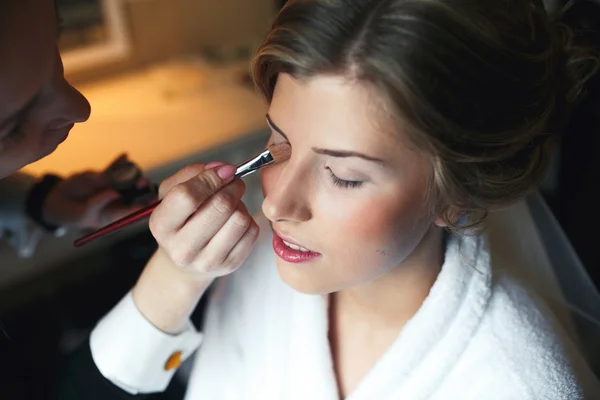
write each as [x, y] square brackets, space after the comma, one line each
[38, 107]
[351, 193]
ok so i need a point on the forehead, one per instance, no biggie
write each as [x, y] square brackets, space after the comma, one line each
[27, 50]
[335, 112]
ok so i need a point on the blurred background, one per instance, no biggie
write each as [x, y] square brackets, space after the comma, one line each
[168, 84]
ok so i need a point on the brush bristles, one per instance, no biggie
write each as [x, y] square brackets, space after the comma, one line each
[280, 152]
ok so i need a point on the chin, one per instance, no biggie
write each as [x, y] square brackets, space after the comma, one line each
[46, 151]
[303, 278]
[36, 157]
[26, 157]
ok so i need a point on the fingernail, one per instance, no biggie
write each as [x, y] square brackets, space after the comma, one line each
[226, 171]
[213, 164]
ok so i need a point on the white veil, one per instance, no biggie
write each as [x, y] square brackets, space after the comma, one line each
[528, 239]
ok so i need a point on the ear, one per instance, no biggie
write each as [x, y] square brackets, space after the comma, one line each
[451, 214]
[440, 222]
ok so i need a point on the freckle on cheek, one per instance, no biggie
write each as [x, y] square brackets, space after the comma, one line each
[383, 253]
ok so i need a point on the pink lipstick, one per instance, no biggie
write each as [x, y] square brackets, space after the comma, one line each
[291, 252]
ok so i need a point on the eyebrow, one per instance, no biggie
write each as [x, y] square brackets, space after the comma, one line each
[327, 152]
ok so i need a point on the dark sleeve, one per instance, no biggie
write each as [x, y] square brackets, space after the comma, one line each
[81, 380]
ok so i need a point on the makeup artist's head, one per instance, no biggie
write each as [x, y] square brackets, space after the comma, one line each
[404, 115]
[38, 107]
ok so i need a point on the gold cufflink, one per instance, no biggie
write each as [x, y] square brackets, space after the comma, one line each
[174, 361]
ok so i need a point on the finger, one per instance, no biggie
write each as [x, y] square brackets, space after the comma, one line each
[142, 183]
[243, 207]
[233, 256]
[185, 199]
[100, 180]
[115, 212]
[83, 174]
[97, 203]
[213, 164]
[211, 238]
[185, 174]
[208, 217]
[82, 178]
[122, 157]
[89, 180]
[241, 250]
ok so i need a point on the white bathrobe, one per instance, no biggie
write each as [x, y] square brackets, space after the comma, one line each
[478, 335]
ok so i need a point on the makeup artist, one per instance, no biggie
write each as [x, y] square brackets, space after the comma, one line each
[38, 108]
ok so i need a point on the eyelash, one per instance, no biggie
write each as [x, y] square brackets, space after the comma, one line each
[343, 183]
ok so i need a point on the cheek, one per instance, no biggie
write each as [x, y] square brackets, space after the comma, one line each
[16, 153]
[378, 231]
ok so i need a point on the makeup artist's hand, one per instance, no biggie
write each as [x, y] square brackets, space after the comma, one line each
[202, 225]
[203, 231]
[84, 201]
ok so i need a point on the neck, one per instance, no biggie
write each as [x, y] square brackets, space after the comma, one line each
[392, 299]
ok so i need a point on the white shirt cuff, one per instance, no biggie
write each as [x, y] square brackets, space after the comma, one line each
[133, 354]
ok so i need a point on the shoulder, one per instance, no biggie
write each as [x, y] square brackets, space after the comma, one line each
[526, 346]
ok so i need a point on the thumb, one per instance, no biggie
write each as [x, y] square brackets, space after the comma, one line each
[122, 157]
[101, 200]
[211, 180]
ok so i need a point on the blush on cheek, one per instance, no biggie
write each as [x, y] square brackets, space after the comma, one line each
[389, 229]
[365, 221]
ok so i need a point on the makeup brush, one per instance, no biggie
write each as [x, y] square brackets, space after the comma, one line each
[273, 154]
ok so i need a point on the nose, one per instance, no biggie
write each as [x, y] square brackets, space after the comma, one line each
[287, 194]
[70, 107]
[79, 108]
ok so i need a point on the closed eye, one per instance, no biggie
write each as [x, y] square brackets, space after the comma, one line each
[17, 122]
[346, 184]
[11, 137]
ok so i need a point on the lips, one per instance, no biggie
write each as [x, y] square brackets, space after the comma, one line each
[289, 250]
[64, 132]
[55, 136]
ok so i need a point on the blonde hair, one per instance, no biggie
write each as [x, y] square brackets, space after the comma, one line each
[480, 86]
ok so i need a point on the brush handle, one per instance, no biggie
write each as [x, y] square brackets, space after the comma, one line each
[123, 222]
